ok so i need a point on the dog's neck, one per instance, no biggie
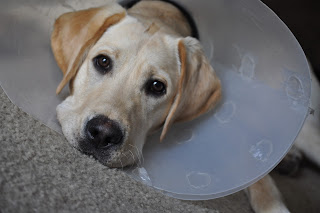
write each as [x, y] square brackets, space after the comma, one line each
[161, 16]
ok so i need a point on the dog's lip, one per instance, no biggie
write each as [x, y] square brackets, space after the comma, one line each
[85, 147]
[110, 145]
[102, 155]
[84, 151]
[94, 154]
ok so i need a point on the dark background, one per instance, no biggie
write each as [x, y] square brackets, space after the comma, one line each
[303, 19]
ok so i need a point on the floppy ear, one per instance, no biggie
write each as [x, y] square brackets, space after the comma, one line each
[75, 33]
[199, 88]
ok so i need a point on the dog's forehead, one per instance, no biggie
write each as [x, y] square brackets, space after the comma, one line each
[161, 49]
[138, 53]
[130, 38]
[124, 33]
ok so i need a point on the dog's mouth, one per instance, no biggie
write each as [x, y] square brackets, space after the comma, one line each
[103, 139]
[103, 155]
[114, 156]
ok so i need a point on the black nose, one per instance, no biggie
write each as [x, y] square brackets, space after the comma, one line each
[103, 132]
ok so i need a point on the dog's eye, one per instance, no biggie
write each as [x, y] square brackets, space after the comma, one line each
[155, 88]
[102, 63]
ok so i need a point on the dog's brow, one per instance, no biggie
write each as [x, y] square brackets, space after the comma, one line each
[154, 72]
[109, 50]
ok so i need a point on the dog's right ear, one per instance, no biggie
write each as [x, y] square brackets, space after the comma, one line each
[75, 33]
[199, 87]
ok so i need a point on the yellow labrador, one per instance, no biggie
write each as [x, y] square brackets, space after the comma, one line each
[131, 72]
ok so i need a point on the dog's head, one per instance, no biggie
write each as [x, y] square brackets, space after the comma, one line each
[126, 80]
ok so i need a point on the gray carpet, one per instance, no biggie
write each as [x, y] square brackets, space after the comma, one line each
[40, 172]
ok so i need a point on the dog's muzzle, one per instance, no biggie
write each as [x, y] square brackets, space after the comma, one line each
[103, 133]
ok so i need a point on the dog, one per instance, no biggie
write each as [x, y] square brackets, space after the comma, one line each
[132, 71]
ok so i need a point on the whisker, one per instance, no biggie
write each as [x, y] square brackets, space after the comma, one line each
[141, 156]
[121, 162]
[127, 158]
[132, 164]
[132, 155]
[138, 153]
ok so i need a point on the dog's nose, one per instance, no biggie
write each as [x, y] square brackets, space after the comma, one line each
[103, 132]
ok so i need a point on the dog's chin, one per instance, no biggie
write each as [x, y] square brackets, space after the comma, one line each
[111, 157]
[116, 162]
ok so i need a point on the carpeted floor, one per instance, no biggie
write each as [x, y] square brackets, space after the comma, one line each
[40, 172]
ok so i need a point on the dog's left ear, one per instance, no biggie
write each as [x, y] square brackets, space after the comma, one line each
[75, 33]
[199, 88]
